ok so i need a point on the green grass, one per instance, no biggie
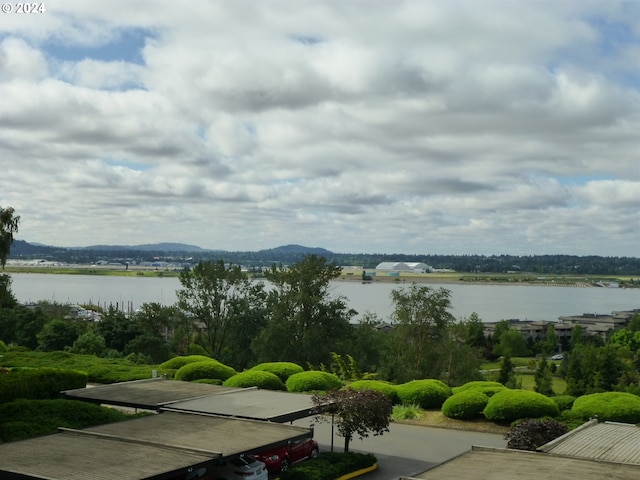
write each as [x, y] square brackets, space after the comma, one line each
[406, 412]
[517, 362]
[559, 385]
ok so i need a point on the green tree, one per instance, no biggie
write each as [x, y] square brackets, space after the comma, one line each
[117, 329]
[506, 376]
[306, 322]
[356, 412]
[550, 343]
[213, 293]
[419, 340]
[89, 343]
[511, 343]
[543, 378]
[9, 223]
[58, 334]
[150, 346]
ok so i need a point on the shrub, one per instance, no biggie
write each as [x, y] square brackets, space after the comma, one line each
[207, 369]
[533, 433]
[426, 393]
[255, 378]
[3, 346]
[564, 402]
[377, 385]
[329, 466]
[313, 381]
[176, 363]
[609, 406]
[30, 418]
[465, 405]
[282, 369]
[39, 383]
[488, 388]
[509, 405]
[405, 412]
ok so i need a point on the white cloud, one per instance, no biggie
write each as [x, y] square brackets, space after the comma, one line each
[414, 126]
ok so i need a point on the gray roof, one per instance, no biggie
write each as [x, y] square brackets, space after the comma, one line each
[608, 441]
[148, 394]
[251, 403]
[157, 446]
[154, 394]
[482, 463]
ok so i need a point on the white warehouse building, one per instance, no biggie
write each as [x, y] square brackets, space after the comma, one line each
[414, 267]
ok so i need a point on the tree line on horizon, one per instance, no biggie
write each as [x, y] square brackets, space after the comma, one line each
[535, 264]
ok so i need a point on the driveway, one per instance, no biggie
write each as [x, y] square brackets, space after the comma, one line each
[406, 449]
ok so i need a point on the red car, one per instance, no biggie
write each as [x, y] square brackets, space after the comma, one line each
[278, 459]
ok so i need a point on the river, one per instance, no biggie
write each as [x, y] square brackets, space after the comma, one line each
[491, 302]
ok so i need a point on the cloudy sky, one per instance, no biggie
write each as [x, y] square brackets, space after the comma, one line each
[435, 127]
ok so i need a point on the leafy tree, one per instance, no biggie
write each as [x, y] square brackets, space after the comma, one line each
[359, 412]
[58, 334]
[507, 369]
[511, 343]
[117, 329]
[306, 323]
[543, 378]
[89, 343]
[550, 343]
[422, 319]
[150, 346]
[8, 226]
[213, 293]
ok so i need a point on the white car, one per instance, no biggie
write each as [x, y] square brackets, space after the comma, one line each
[242, 468]
[557, 357]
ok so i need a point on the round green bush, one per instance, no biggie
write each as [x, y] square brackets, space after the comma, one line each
[282, 369]
[207, 369]
[609, 406]
[313, 381]
[488, 388]
[255, 378]
[564, 402]
[509, 405]
[465, 405]
[425, 393]
[178, 362]
[377, 385]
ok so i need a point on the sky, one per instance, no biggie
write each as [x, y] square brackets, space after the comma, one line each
[378, 126]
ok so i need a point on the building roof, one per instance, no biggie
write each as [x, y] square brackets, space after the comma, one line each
[152, 447]
[483, 463]
[159, 393]
[251, 403]
[608, 441]
[150, 394]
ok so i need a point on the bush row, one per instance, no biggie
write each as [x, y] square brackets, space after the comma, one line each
[38, 383]
[329, 466]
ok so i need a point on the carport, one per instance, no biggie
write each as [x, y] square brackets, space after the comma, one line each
[160, 446]
[162, 394]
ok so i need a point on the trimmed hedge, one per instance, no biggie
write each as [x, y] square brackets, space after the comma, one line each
[282, 369]
[465, 405]
[329, 466]
[208, 369]
[488, 388]
[509, 405]
[176, 363]
[312, 381]
[255, 378]
[378, 386]
[425, 393]
[564, 402]
[39, 383]
[24, 419]
[608, 406]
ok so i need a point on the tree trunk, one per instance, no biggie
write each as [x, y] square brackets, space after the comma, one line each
[347, 439]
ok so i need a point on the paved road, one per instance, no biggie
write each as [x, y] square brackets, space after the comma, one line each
[407, 449]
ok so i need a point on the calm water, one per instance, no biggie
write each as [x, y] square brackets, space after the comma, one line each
[490, 302]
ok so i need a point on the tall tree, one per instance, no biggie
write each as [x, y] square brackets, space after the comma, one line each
[422, 320]
[212, 292]
[359, 412]
[8, 226]
[307, 322]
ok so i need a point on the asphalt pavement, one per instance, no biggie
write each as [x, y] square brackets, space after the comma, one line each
[405, 449]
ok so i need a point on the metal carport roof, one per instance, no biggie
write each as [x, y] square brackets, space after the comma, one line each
[154, 394]
[154, 447]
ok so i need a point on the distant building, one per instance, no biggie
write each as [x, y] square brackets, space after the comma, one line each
[412, 267]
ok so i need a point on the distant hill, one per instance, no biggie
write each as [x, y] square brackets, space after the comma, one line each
[297, 249]
[149, 247]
